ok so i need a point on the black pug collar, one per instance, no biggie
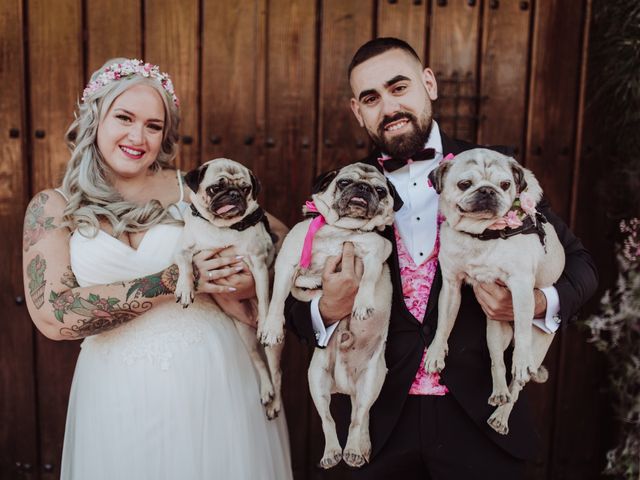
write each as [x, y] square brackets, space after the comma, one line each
[529, 226]
[250, 220]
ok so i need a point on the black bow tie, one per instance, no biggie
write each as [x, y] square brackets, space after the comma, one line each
[391, 164]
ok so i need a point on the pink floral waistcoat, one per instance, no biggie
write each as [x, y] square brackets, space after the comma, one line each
[416, 286]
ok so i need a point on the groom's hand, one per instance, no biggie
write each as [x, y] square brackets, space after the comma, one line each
[340, 281]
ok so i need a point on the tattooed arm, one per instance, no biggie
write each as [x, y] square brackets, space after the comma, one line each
[62, 310]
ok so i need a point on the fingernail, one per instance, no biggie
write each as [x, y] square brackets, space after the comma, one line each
[231, 289]
[239, 257]
[239, 269]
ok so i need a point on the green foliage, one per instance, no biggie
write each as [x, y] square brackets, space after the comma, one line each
[616, 331]
[614, 78]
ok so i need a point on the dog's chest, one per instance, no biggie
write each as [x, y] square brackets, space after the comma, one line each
[252, 241]
[488, 260]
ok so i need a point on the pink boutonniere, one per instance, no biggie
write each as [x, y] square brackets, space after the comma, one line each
[522, 207]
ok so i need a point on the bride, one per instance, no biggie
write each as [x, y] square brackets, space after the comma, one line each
[159, 392]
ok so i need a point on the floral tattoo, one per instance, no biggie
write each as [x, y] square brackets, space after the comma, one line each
[35, 224]
[68, 279]
[153, 285]
[35, 272]
[100, 314]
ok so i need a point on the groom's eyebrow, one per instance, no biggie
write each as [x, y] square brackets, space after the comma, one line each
[396, 79]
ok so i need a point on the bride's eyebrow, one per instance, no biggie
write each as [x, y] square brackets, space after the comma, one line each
[124, 110]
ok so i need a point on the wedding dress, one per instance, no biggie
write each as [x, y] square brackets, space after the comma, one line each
[170, 395]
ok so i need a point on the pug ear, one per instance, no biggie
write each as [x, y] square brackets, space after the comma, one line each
[194, 178]
[397, 201]
[322, 182]
[518, 176]
[436, 177]
[256, 187]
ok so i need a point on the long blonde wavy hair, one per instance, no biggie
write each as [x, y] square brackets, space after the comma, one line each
[86, 181]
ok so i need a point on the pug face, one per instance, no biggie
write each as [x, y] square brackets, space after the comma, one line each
[357, 196]
[479, 186]
[223, 191]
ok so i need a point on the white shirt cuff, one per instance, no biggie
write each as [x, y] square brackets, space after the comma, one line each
[322, 333]
[551, 322]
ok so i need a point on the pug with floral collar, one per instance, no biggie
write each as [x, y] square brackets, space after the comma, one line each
[493, 233]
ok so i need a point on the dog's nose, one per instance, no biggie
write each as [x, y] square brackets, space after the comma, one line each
[235, 194]
[487, 191]
[364, 187]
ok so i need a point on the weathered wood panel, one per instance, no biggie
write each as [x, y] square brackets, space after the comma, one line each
[233, 81]
[56, 82]
[18, 428]
[172, 36]
[345, 26]
[290, 120]
[503, 74]
[406, 20]
[453, 56]
[112, 36]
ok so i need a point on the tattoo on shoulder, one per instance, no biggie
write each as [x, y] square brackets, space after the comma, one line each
[97, 314]
[35, 273]
[35, 223]
[154, 285]
[69, 279]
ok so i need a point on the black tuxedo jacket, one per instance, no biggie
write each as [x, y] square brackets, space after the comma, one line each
[467, 374]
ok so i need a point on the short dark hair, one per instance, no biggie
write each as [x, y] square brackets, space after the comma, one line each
[377, 46]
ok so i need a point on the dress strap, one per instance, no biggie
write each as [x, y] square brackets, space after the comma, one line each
[181, 185]
[64, 195]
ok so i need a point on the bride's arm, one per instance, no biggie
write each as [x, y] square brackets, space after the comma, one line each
[62, 310]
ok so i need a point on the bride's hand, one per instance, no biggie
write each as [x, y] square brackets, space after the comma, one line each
[240, 280]
[213, 272]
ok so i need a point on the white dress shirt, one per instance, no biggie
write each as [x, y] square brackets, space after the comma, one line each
[416, 222]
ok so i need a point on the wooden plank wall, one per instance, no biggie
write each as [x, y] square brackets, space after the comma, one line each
[264, 82]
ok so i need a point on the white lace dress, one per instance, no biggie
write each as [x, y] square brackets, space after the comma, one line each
[171, 394]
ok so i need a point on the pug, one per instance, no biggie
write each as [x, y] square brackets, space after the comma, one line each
[356, 202]
[492, 232]
[225, 212]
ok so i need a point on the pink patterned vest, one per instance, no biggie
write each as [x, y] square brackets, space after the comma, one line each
[416, 286]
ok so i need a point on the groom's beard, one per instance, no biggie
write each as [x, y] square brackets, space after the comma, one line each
[403, 146]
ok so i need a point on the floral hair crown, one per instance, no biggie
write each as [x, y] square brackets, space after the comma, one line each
[126, 69]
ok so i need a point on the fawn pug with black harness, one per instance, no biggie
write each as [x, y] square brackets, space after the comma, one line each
[225, 212]
[492, 232]
[351, 204]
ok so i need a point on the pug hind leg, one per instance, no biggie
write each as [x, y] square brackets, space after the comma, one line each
[320, 385]
[499, 335]
[184, 291]
[273, 354]
[247, 334]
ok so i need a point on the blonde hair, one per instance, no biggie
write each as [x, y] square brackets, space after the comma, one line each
[91, 196]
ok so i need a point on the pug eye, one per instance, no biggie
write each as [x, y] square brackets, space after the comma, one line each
[505, 185]
[344, 182]
[214, 189]
[246, 189]
[464, 185]
[382, 192]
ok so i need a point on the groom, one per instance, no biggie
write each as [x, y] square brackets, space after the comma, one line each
[428, 425]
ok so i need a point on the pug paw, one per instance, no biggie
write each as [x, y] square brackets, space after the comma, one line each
[499, 420]
[184, 294]
[362, 313]
[434, 360]
[353, 458]
[331, 458]
[522, 368]
[499, 397]
[272, 332]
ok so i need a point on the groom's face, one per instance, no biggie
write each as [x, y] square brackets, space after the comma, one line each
[392, 101]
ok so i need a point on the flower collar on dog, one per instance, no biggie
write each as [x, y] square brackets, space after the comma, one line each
[128, 68]
[314, 226]
[522, 218]
[250, 220]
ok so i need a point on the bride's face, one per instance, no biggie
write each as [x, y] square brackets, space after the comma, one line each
[130, 134]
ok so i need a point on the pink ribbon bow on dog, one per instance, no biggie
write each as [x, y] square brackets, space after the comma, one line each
[314, 226]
